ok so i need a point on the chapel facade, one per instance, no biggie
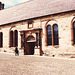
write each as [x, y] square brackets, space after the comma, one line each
[38, 28]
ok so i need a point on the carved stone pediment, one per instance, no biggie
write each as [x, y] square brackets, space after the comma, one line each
[30, 39]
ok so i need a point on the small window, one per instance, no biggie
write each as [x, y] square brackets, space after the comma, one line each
[30, 24]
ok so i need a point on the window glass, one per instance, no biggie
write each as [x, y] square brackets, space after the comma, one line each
[74, 31]
[49, 35]
[16, 38]
[55, 33]
[11, 36]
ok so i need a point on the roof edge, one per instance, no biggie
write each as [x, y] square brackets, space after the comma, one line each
[37, 17]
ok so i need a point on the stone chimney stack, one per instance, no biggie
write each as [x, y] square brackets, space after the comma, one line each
[1, 6]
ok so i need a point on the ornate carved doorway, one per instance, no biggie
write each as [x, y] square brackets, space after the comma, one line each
[31, 41]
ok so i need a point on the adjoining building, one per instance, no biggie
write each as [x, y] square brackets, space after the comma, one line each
[39, 27]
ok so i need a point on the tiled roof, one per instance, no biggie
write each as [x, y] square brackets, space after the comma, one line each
[35, 8]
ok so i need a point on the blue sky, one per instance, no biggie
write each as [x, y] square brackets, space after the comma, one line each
[9, 3]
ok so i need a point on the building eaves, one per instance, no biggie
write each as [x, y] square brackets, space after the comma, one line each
[34, 9]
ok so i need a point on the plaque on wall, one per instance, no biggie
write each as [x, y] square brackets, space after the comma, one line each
[30, 24]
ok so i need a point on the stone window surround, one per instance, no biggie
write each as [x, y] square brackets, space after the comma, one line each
[13, 38]
[52, 35]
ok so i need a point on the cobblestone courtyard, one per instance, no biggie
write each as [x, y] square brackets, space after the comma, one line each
[35, 65]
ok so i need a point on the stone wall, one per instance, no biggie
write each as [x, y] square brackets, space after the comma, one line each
[63, 21]
[64, 26]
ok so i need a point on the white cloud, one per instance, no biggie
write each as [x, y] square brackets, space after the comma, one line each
[9, 3]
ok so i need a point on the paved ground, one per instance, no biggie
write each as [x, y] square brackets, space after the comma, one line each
[35, 65]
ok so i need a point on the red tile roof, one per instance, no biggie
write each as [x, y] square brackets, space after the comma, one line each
[35, 8]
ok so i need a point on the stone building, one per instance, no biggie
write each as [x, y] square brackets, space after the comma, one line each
[38, 27]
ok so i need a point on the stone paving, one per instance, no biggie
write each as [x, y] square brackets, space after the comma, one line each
[35, 65]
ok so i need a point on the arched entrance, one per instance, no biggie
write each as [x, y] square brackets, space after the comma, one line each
[30, 45]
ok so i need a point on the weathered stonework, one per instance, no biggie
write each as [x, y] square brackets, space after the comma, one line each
[63, 21]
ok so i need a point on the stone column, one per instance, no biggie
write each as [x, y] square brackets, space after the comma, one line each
[36, 44]
[19, 40]
[40, 41]
[37, 39]
[23, 40]
[24, 43]
[38, 49]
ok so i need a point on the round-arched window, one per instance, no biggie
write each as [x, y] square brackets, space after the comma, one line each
[49, 35]
[55, 34]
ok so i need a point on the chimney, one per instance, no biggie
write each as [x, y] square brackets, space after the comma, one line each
[1, 6]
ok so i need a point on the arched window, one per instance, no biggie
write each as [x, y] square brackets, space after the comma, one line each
[15, 38]
[55, 34]
[11, 38]
[1, 39]
[49, 35]
[74, 31]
